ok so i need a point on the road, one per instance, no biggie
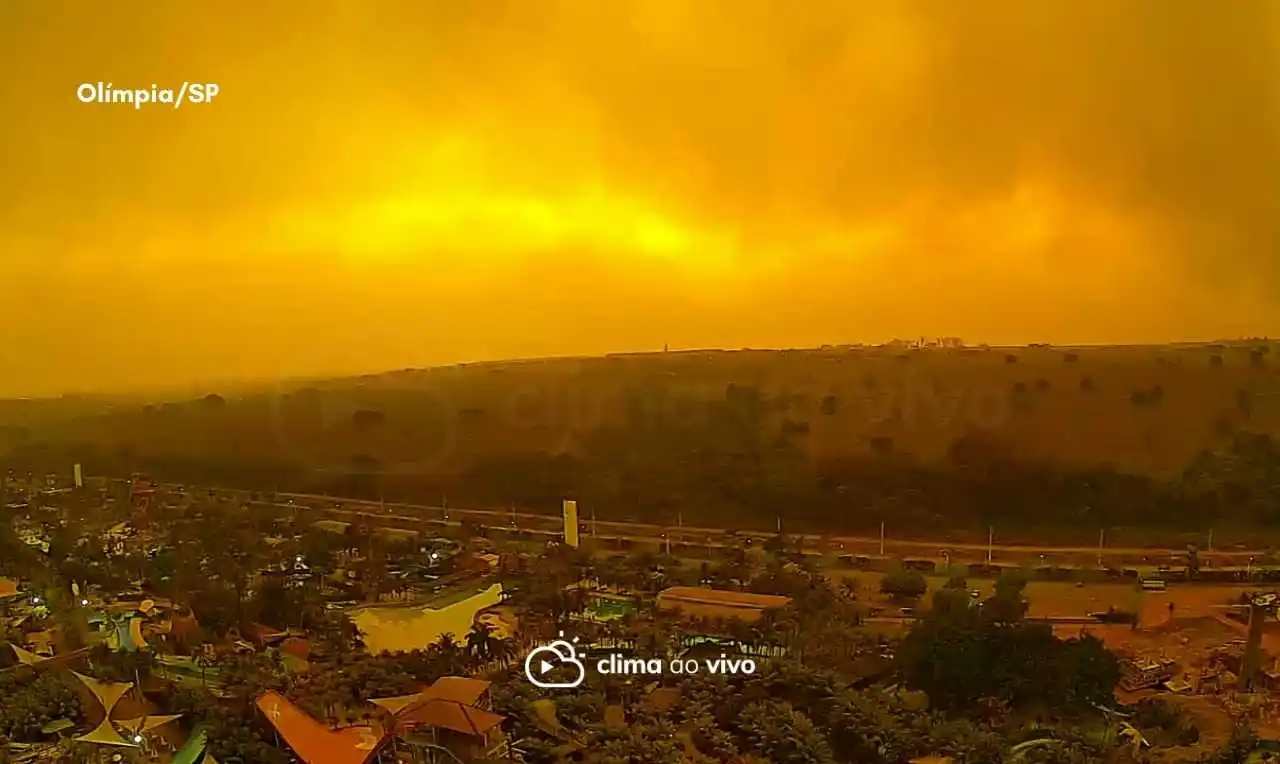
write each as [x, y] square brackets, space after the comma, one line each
[544, 524]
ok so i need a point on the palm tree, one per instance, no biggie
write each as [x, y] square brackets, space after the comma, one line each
[480, 641]
[203, 661]
[502, 650]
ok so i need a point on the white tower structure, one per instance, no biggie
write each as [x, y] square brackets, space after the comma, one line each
[571, 523]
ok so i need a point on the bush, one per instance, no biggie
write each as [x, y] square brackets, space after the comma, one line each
[904, 584]
[1189, 735]
[1154, 713]
[881, 444]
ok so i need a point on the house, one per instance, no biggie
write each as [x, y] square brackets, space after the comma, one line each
[454, 713]
[718, 603]
[1139, 675]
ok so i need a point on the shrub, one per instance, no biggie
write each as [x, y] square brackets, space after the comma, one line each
[904, 584]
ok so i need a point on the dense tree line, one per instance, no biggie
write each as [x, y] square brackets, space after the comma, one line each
[730, 462]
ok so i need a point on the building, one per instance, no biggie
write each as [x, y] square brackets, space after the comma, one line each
[718, 603]
[455, 714]
[571, 523]
[1139, 675]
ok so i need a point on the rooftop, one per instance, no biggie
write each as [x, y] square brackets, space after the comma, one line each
[700, 596]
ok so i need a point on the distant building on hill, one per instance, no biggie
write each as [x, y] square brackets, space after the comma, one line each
[719, 603]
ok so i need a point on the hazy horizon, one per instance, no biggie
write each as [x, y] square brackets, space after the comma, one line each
[231, 386]
[393, 185]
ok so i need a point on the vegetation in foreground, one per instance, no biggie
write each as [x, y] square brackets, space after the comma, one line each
[972, 681]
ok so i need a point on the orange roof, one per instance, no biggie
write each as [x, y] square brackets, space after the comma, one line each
[698, 596]
[456, 689]
[450, 702]
[312, 741]
[450, 715]
[296, 646]
[459, 689]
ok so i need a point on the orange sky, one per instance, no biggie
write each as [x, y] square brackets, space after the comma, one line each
[397, 183]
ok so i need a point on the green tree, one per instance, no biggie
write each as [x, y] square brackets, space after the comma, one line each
[903, 584]
[1007, 605]
[782, 734]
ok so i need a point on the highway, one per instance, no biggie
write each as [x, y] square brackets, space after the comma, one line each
[549, 525]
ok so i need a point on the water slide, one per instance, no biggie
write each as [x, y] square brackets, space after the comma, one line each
[193, 751]
[135, 634]
[127, 635]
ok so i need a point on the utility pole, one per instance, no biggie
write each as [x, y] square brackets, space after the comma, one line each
[1102, 539]
[593, 520]
[991, 540]
[882, 538]
[444, 506]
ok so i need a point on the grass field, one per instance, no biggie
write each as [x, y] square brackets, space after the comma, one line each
[1063, 599]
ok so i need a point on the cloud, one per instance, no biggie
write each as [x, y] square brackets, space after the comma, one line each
[739, 173]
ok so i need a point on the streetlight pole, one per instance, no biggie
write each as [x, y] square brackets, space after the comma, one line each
[991, 540]
[1102, 539]
[882, 538]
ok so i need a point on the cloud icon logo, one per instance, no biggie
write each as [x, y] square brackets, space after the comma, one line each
[542, 661]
